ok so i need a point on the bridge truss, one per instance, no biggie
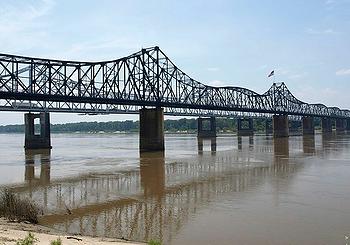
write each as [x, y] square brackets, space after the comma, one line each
[147, 78]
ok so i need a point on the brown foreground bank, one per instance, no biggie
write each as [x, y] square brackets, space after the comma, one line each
[11, 232]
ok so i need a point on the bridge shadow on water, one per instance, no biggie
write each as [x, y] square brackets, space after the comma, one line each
[156, 200]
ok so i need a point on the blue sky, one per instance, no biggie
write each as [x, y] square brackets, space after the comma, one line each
[236, 42]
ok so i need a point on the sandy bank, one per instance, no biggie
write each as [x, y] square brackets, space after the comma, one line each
[10, 232]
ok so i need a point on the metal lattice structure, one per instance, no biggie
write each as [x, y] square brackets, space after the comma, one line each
[144, 79]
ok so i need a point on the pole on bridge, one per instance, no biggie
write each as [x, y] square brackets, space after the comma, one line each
[151, 129]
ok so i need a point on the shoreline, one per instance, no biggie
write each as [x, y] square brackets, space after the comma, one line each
[11, 232]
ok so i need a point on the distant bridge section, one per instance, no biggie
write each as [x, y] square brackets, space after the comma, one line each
[144, 79]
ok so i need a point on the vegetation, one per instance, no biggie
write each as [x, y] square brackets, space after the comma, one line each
[28, 240]
[16, 209]
[181, 125]
[154, 242]
[58, 241]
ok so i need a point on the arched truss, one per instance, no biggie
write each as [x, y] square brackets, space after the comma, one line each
[147, 78]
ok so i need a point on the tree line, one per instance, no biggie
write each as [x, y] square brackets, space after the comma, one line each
[180, 125]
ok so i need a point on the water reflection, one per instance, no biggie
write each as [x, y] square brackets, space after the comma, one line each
[160, 197]
[33, 157]
[201, 141]
[240, 142]
[309, 146]
[281, 147]
[152, 173]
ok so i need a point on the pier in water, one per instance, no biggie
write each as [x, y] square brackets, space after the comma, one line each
[225, 190]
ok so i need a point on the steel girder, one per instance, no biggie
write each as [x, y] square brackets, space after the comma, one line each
[146, 78]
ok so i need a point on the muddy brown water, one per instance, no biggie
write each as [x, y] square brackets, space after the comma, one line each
[228, 190]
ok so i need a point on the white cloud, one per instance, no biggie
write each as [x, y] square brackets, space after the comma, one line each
[328, 31]
[22, 25]
[342, 72]
[297, 75]
[98, 49]
[329, 2]
[324, 95]
[213, 69]
[216, 83]
[262, 67]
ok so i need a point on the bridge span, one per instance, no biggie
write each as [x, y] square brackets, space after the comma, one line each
[148, 83]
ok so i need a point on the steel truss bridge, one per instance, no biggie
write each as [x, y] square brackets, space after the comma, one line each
[147, 78]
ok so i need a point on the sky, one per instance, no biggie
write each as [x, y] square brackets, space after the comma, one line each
[220, 43]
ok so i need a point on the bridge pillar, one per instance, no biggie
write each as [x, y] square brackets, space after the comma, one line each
[33, 139]
[280, 126]
[245, 126]
[151, 129]
[206, 127]
[308, 126]
[268, 126]
[348, 124]
[326, 124]
[340, 124]
[294, 127]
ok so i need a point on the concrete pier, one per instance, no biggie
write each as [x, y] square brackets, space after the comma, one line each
[340, 124]
[268, 126]
[280, 126]
[151, 129]
[245, 126]
[37, 140]
[308, 126]
[206, 127]
[348, 124]
[294, 127]
[326, 124]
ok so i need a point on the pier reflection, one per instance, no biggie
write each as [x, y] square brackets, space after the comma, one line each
[34, 158]
[37, 157]
[281, 148]
[240, 143]
[309, 146]
[201, 141]
[156, 200]
[152, 173]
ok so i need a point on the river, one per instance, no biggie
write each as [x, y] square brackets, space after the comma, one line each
[228, 190]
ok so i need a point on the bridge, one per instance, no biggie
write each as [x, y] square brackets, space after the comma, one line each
[148, 83]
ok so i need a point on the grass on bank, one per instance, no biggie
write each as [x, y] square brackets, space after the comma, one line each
[58, 241]
[154, 242]
[14, 208]
[30, 239]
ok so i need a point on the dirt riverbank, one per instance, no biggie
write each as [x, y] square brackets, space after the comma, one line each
[10, 232]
